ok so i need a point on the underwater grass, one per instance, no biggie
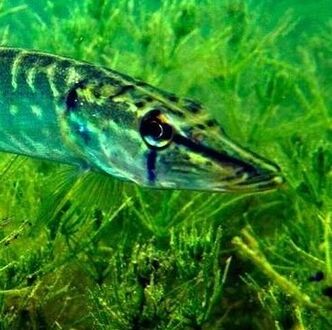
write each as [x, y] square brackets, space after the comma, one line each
[79, 251]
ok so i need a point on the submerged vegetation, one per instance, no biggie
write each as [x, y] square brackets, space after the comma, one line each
[82, 251]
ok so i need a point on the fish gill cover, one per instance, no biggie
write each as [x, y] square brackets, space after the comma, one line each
[82, 251]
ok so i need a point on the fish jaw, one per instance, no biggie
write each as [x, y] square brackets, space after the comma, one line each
[218, 165]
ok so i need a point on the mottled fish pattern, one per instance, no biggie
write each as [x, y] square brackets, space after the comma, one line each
[77, 113]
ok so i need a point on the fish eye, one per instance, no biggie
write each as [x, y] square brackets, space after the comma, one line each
[156, 133]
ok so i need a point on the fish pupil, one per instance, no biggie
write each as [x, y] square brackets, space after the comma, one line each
[154, 129]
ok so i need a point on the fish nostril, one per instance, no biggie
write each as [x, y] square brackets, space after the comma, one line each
[251, 170]
[253, 174]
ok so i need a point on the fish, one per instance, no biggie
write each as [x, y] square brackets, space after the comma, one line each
[73, 112]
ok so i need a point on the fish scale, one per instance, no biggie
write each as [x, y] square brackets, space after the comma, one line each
[73, 112]
[27, 115]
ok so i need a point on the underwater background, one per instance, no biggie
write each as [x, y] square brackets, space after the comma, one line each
[78, 251]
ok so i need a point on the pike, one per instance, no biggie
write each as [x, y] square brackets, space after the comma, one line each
[73, 112]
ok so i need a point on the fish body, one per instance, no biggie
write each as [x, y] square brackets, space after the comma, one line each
[73, 112]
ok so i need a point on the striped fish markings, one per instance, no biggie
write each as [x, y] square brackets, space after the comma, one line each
[73, 112]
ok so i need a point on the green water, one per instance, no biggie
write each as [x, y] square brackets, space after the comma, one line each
[311, 16]
[82, 251]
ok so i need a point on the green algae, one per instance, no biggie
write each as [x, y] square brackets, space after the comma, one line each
[79, 251]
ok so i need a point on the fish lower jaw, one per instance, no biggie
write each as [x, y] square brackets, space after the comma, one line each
[256, 184]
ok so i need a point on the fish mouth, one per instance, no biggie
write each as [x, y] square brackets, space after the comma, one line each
[264, 182]
[257, 175]
[247, 171]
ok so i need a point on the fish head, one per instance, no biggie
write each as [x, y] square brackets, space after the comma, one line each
[139, 133]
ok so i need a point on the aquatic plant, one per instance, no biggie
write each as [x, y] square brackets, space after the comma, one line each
[80, 251]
